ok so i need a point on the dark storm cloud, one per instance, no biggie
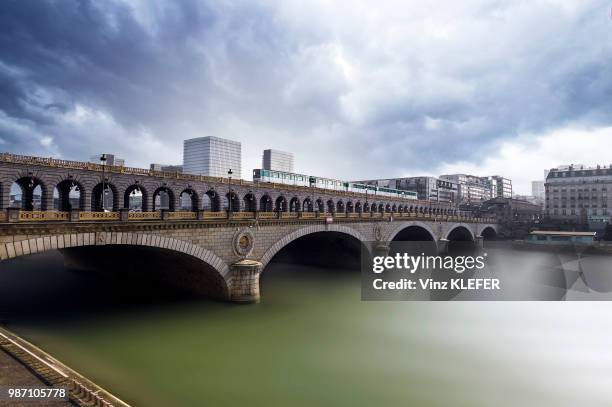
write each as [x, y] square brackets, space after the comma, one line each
[400, 86]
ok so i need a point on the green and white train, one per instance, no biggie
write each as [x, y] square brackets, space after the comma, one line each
[290, 178]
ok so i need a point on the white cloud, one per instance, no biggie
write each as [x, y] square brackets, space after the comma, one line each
[524, 160]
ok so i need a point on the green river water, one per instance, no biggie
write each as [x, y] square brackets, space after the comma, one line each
[310, 342]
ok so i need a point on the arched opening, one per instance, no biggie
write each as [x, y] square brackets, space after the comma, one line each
[281, 204]
[27, 194]
[169, 269]
[250, 202]
[232, 202]
[211, 201]
[413, 240]
[70, 195]
[104, 198]
[388, 208]
[163, 198]
[294, 204]
[381, 208]
[319, 206]
[335, 250]
[188, 200]
[265, 204]
[340, 207]
[135, 198]
[330, 206]
[373, 207]
[358, 207]
[349, 207]
[366, 207]
[394, 209]
[489, 233]
[414, 234]
[460, 241]
[307, 205]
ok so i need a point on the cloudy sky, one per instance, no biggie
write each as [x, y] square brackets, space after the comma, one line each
[356, 89]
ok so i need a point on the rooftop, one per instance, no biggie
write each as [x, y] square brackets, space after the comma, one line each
[561, 233]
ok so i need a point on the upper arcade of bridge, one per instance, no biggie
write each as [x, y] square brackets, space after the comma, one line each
[49, 185]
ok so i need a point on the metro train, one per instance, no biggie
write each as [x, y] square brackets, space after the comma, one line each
[289, 178]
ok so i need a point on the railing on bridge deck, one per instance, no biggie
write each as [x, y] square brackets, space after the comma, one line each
[13, 215]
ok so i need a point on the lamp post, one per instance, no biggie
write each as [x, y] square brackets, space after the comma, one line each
[103, 162]
[229, 184]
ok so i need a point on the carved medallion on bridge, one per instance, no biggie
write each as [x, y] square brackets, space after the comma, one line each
[243, 243]
[377, 233]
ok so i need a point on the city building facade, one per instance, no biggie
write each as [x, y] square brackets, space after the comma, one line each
[427, 188]
[167, 168]
[500, 187]
[275, 160]
[517, 216]
[579, 194]
[471, 189]
[111, 159]
[212, 156]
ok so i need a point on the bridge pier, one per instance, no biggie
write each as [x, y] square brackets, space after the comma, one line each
[442, 246]
[479, 242]
[245, 281]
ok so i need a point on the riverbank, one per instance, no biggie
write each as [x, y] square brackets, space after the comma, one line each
[24, 365]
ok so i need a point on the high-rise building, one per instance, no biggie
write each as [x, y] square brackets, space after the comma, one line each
[537, 189]
[275, 160]
[111, 159]
[166, 168]
[427, 188]
[212, 156]
[579, 194]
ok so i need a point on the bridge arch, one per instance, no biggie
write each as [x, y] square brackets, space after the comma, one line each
[100, 199]
[28, 184]
[265, 203]
[307, 205]
[340, 206]
[160, 196]
[456, 228]
[189, 200]
[319, 205]
[330, 206]
[294, 204]
[134, 191]
[405, 225]
[276, 247]
[281, 204]
[211, 201]
[232, 202]
[250, 202]
[349, 207]
[64, 189]
[67, 241]
[488, 232]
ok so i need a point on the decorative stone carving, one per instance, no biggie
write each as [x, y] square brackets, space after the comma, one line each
[243, 243]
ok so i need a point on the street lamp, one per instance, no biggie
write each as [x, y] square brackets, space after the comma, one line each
[229, 184]
[103, 162]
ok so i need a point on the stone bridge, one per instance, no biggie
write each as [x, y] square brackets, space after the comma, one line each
[226, 255]
[215, 236]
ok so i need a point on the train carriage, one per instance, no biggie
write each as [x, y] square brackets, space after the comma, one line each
[289, 178]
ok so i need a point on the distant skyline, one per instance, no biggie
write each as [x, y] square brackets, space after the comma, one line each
[354, 91]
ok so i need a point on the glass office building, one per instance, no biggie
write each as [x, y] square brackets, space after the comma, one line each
[212, 156]
[275, 160]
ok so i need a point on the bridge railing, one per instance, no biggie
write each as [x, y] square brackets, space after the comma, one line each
[17, 215]
[81, 165]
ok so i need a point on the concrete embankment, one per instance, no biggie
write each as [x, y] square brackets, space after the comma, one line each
[24, 365]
